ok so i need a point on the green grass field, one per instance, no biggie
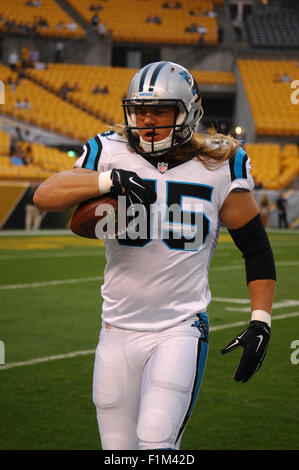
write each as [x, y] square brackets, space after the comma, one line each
[50, 321]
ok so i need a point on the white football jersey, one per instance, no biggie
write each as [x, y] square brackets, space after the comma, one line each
[157, 281]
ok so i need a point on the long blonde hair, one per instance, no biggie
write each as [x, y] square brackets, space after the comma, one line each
[210, 150]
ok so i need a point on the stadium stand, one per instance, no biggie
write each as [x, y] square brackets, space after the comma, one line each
[265, 161]
[273, 28]
[4, 143]
[48, 110]
[151, 22]
[267, 86]
[111, 83]
[37, 18]
[44, 161]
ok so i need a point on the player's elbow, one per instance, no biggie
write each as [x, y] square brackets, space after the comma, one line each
[48, 200]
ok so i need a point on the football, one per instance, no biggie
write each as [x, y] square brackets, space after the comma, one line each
[96, 218]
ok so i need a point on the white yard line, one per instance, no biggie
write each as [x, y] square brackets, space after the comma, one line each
[283, 304]
[56, 282]
[239, 323]
[241, 266]
[40, 360]
[230, 300]
[87, 279]
[52, 255]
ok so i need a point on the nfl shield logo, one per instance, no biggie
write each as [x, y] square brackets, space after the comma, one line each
[162, 167]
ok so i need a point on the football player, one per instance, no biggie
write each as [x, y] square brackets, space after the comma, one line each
[153, 343]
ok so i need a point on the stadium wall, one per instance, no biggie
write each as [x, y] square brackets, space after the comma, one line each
[242, 115]
[13, 194]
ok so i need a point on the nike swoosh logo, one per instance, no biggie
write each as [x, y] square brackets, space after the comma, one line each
[261, 339]
[241, 336]
[233, 344]
[131, 179]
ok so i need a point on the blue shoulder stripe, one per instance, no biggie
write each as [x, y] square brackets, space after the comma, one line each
[237, 165]
[94, 149]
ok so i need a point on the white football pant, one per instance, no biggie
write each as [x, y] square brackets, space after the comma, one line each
[146, 383]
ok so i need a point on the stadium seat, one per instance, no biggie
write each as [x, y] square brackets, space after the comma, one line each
[272, 165]
[137, 29]
[49, 111]
[273, 28]
[116, 79]
[269, 99]
[56, 22]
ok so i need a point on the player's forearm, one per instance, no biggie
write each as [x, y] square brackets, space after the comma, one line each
[262, 294]
[66, 189]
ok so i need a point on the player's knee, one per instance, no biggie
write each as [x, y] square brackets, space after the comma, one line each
[154, 427]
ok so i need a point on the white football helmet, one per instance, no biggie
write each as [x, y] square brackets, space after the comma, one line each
[163, 84]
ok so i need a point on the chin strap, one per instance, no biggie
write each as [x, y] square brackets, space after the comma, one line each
[156, 146]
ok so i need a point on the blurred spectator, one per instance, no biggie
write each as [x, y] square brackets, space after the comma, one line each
[25, 55]
[64, 90]
[28, 157]
[42, 22]
[171, 4]
[277, 78]
[153, 19]
[264, 208]
[285, 78]
[59, 26]
[191, 29]
[220, 33]
[95, 19]
[102, 29]
[201, 41]
[258, 184]
[15, 160]
[58, 51]
[33, 215]
[18, 157]
[71, 26]
[12, 83]
[281, 205]
[201, 29]
[34, 3]
[75, 87]
[98, 90]
[33, 56]
[25, 104]
[13, 59]
[105, 90]
[14, 140]
[95, 7]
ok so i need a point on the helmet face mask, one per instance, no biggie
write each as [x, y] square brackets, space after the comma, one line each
[163, 84]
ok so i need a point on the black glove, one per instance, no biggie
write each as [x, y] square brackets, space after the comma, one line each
[254, 340]
[136, 189]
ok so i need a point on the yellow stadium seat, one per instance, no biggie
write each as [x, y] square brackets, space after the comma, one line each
[272, 110]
